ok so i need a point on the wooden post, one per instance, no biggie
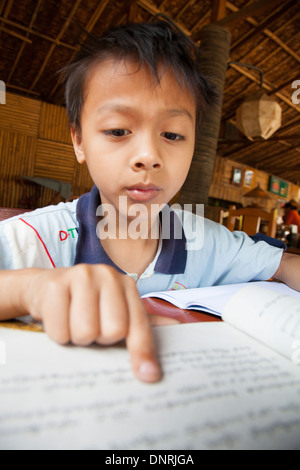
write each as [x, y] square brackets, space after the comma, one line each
[218, 10]
[215, 44]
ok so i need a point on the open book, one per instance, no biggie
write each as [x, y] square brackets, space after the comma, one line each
[267, 311]
[221, 389]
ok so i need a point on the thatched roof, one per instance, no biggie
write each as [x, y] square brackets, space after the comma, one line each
[39, 37]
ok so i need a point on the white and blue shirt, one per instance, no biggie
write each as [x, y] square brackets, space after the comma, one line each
[65, 235]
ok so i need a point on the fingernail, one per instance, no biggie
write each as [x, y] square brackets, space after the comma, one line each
[149, 371]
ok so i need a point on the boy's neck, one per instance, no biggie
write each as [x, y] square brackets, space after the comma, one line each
[133, 244]
[132, 256]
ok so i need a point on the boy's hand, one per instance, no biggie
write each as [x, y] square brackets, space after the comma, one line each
[93, 303]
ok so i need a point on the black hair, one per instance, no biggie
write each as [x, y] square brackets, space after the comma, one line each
[151, 44]
[289, 205]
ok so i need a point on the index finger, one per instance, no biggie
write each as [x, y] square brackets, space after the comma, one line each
[139, 340]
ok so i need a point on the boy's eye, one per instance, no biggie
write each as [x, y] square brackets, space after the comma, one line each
[117, 132]
[172, 136]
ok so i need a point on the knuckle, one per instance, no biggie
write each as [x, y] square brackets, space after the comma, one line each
[60, 337]
[110, 273]
[83, 337]
[114, 333]
[83, 273]
[130, 282]
[83, 331]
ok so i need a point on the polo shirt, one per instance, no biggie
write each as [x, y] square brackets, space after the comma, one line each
[193, 251]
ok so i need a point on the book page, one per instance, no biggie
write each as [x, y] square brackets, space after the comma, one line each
[213, 299]
[268, 316]
[220, 390]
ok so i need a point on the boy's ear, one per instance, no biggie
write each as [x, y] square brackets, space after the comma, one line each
[77, 144]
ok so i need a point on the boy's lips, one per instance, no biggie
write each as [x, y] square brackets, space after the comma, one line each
[142, 193]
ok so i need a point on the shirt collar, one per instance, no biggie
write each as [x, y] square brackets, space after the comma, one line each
[173, 255]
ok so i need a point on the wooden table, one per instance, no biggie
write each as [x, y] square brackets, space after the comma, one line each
[294, 251]
[153, 307]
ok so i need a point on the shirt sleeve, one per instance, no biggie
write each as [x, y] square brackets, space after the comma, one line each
[45, 238]
[227, 257]
[242, 259]
[6, 257]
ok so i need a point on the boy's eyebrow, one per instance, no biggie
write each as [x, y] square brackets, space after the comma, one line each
[124, 109]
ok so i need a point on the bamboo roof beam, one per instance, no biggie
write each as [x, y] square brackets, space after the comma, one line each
[188, 4]
[99, 10]
[15, 87]
[161, 6]
[132, 13]
[16, 35]
[268, 33]
[218, 10]
[23, 45]
[255, 8]
[260, 27]
[150, 8]
[266, 86]
[36, 33]
[48, 55]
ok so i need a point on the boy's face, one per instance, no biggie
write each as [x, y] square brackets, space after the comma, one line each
[137, 138]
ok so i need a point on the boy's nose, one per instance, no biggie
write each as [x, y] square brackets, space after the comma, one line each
[145, 164]
[147, 158]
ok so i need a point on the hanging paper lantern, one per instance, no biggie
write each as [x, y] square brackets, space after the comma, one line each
[258, 116]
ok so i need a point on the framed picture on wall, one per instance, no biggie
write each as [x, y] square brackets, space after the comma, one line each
[278, 186]
[237, 175]
[248, 178]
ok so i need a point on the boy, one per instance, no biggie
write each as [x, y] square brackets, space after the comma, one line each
[134, 102]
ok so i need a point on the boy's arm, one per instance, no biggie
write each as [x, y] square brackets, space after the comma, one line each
[289, 271]
[82, 305]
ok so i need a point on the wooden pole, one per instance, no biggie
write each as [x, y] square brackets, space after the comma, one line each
[215, 45]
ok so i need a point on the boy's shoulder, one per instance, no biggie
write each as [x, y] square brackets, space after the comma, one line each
[53, 211]
[44, 237]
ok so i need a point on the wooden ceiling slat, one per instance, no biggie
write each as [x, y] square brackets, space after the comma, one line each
[150, 8]
[95, 17]
[260, 27]
[201, 22]
[132, 15]
[88, 28]
[262, 64]
[256, 8]
[266, 86]
[2, 6]
[184, 8]
[284, 46]
[218, 10]
[23, 45]
[52, 47]
[16, 35]
[36, 33]
[263, 141]
[269, 33]
[24, 90]
[162, 5]
[7, 8]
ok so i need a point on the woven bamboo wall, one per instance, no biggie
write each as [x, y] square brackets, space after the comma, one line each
[35, 141]
[222, 187]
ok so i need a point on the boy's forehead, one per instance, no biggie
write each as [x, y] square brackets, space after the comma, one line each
[111, 78]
